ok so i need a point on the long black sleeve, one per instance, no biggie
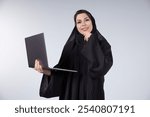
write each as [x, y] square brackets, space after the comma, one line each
[99, 56]
[108, 60]
[51, 86]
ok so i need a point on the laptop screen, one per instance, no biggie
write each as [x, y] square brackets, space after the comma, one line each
[36, 49]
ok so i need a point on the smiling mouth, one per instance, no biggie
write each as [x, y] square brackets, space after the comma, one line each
[84, 29]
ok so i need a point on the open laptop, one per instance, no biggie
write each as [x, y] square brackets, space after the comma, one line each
[36, 49]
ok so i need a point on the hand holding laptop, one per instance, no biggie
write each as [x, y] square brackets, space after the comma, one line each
[37, 57]
[38, 66]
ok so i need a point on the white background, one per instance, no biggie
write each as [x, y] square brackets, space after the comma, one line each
[124, 23]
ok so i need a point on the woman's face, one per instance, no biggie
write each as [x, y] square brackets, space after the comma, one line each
[84, 23]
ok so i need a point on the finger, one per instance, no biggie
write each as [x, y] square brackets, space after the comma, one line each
[40, 63]
[38, 66]
[41, 68]
[35, 65]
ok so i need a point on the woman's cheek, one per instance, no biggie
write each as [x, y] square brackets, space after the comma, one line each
[82, 32]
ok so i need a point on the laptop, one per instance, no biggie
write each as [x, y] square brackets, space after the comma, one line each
[36, 49]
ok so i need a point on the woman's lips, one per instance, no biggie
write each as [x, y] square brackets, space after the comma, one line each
[84, 29]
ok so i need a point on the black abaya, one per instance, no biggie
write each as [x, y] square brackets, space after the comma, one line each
[91, 59]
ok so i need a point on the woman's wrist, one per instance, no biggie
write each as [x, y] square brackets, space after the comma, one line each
[47, 72]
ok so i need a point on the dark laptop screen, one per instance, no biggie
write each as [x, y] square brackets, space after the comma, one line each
[36, 49]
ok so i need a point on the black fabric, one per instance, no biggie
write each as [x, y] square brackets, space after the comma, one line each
[91, 59]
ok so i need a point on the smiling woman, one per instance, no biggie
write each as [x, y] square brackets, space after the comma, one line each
[124, 24]
[84, 25]
[86, 51]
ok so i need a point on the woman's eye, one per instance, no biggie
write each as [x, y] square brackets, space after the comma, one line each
[78, 22]
[87, 19]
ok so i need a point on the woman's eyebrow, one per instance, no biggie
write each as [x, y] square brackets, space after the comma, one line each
[84, 18]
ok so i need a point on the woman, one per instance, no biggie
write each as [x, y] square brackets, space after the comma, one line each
[86, 51]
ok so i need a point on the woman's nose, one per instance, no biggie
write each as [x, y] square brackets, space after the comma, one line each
[83, 23]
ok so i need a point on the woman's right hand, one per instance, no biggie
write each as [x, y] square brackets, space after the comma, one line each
[39, 67]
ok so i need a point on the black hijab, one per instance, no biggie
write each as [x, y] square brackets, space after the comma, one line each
[75, 35]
